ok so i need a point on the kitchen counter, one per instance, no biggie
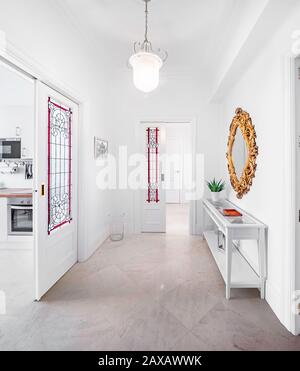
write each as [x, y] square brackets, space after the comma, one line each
[15, 193]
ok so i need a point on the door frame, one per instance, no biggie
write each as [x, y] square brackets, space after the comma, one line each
[26, 65]
[169, 121]
[291, 299]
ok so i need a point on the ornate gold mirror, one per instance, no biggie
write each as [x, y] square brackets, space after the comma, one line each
[242, 153]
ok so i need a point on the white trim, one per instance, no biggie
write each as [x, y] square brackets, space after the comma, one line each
[272, 294]
[83, 193]
[289, 250]
[93, 248]
[193, 205]
[22, 62]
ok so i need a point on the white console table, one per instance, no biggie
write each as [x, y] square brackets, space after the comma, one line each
[235, 269]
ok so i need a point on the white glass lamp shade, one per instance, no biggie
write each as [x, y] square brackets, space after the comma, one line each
[146, 67]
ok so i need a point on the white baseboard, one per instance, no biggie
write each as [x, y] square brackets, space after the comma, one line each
[130, 228]
[297, 325]
[296, 313]
[91, 249]
[273, 297]
[198, 230]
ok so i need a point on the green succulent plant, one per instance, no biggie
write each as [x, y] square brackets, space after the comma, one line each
[216, 186]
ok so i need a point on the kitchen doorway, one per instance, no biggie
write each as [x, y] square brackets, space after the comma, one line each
[38, 187]
[17, 122]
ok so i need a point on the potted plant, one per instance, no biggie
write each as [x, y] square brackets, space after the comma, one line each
[216, 187]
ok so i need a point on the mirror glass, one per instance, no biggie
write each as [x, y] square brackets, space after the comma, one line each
[239, 153]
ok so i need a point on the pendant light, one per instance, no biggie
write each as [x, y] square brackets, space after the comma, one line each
[145, 62]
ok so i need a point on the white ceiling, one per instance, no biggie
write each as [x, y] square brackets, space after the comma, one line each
[170, 21]
[194, 32]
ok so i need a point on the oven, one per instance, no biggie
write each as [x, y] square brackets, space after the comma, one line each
[20, 217]
[10, 149]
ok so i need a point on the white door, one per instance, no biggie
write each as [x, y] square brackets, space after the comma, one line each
[152, 140]
[174, 151]
[55, 218]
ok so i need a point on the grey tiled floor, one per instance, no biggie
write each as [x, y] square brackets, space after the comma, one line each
[149, 292]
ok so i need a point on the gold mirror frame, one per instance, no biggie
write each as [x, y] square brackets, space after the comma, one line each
[243, 121]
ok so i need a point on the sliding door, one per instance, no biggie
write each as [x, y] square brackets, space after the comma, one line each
[56, 185]
[152, 140]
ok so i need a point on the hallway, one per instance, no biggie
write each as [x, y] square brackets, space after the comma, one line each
[178, 219]
[151, 292]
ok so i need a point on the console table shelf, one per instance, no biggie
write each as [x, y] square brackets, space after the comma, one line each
[242, 274]
[234, 268]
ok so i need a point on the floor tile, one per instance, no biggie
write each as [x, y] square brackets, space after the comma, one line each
[153, 328]
[147, 292]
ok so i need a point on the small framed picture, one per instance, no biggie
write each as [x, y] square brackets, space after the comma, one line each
[101, 149]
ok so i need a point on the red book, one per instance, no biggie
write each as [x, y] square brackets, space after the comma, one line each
[231, 212]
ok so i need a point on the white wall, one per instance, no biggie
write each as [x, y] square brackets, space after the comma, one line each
[260, 91]
[45, 34]
[177, 98]
[244, 17]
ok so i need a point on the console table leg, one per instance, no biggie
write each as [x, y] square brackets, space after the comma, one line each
[262, 262]
[228, 264]
[203, 221]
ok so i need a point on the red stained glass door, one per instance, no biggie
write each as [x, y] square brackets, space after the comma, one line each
[152, 140]
[56, 185]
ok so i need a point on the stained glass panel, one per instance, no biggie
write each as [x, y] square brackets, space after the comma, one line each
[153, 164]
[59, 165]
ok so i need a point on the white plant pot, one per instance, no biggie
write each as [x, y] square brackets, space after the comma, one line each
[215, 196]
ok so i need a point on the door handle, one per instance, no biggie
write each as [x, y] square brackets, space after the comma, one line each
[162, 177]
[25, 207]
[43, 190]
